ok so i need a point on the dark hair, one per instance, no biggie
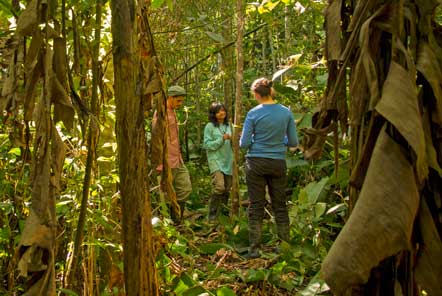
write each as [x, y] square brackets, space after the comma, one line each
[213, 109]
[263, 87]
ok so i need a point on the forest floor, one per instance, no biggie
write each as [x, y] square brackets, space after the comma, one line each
[206, 257]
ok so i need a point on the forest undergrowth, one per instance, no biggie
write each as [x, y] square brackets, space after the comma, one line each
[195, 257]
[198, 258]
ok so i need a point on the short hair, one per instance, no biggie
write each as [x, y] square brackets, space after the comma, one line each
[213, 109]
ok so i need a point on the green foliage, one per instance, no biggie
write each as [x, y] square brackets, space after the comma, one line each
[212, 248]
[190, 256]
[14, 196]
[158, 3]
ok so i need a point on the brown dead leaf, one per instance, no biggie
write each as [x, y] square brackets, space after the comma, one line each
[399, 105]
[433, 74]
[33, 70]
[63, 109]
[8, 89]
[58, 155]
[36, 254]
[382, 220]
[333, 29]
[428, 272]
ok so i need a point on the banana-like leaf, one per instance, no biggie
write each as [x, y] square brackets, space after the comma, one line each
[433, 74]
[333, 29]
[429, 268]
[63, 109]
[399, 105]
[381, 222]
[33, 68]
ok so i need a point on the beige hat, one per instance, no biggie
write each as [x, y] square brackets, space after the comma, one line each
[176, 91]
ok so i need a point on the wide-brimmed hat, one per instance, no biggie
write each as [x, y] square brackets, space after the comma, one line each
[176, 91]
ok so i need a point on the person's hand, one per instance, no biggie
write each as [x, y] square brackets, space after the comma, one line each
[226, 137]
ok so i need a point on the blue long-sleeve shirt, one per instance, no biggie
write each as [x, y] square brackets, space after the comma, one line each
[268, 130]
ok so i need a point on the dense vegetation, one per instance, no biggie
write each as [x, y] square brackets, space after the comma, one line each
[194, 42]
[76, 122]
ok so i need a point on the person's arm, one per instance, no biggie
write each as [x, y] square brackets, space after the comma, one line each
[292, 136]
[247, 133]
[212, 142]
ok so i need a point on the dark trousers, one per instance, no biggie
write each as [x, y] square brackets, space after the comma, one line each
[262, 172]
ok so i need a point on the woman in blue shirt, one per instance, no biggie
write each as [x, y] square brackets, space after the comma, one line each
[268, 129]
[217, 134]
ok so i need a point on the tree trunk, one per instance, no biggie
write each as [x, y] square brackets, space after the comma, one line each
[227, 65]
[238, 104]
[139, 259]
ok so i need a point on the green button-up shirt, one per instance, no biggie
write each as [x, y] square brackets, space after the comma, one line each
[219, 151]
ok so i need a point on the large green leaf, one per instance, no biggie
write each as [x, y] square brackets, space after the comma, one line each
[196, 291]
[293, 162]
[320, 208]
[314, 189]
[183, 283]
[284, 90]
[303, 120]
[225, 291]
[254, 275]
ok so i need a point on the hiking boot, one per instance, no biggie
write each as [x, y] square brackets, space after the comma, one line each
[178, 218]
[283, 230]
[214, 205]
[255, 233]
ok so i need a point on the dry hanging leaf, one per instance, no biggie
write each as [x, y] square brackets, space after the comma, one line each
[33, 70]
[36, 255]
[429, 145]
[382, 220]
[63, 109]
[428, 272]
[58, 154]
[399, 105]
[430, 69]
[333, 29]
[368, 36]
[9, 86]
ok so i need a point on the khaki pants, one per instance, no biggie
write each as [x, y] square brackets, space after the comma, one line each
[181, 182]
[221, 183]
